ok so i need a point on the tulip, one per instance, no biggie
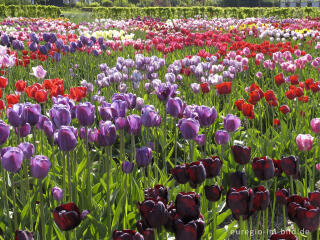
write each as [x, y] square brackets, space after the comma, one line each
[11, 159]
[314, 198]
[149, 117]
[24, 130]
[33, 112]
[120, 106]
[196, 173]
[39, 166]
[17, 115]
[240, 202]
[212, 166]
[290, 165]
[39, 72]
[206, 115]
[143, 156]
[200, 139]
[107, 134]
[281, 196]
[188, 205]
[27, 149]
[133, 123]
[283, 236]
[159, 192]
[23, 235]
[304, 142]
[57, 193]
[189, 128]
[191, 230]
[263, 168]
[175, 107]
[261, 198]
[4, 132]
[60, 115]
[315, 125]
[237, 179]
[241, 154]
[68, 216]
[126, 235]
[66, 138]
[221, 137]
[127, 167]
[231, 123]
[213, 192]
[146, 231]
[107, 113]
[85, 114]
[180, 174]
[153, 212]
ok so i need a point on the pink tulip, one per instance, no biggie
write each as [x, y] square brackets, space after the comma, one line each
[39, 72]
[318, 167]
[315, 125]
[304, 142]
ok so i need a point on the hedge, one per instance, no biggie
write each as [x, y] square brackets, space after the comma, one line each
[210, 12]
[29, 11]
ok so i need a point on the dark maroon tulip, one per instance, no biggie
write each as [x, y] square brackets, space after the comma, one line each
[277, 167]
[39, 166]
[196, 173]
[200, 226]
[213, 192]
[172, 216]
[4, 132]
[147, 233]
[281, 196]
[143, 156]
[283, 236]
[11, 159]
[180, 174]
[237, 179]
[240, 202]
[153, 212]
[314, 198]
[212, 166]
[188, 205]
[186, 231]
[159, 192]
[133, 124]
[290, 165]
[263, 168]
[107, 134]
[66, 138]
[68, 216]
[85, 113]
[23, 235]
[293, 202]
[126, 235]
[261, 198]
[241, 154]
[175, 107]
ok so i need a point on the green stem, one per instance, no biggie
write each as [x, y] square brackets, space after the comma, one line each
[43, 233]
[191, 151]
[258, 225]
[125, 201]
[133, 148]
[284, 216]
[164, 151]
[69, 176]
[291, 185]
[5, 196]
[15, 222]
[175, 143]
[28, 195]
[122, 153]
[274, 203]
[64, 177]
[89, 166]
[109, 151]
[214, 220]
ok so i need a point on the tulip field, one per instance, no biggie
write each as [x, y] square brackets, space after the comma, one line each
[159, 129]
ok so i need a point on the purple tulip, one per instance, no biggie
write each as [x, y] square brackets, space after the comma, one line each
[120, 123]
[164, 91]
[24, 130]
[60, 115]
[85, 114]
[149, 117]
[131, 100]
[133, 124]
[127, 167]
[27, 149]
[33, 112]
[107, 113]
[4, 132]
[107, 134]
[17, 116]
[231, 123]
[11, 159]
[66, 138]
[143, 156]
[120, 107]
[175, 107]
[221, 137]
[200, 139]
[189, 128]
[57, 193]
[206, 115]
[39, 166]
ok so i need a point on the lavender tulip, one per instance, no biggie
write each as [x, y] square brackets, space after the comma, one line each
[17, 116]
[66, 138]
[189, 128]
[40, 166]
[85, 114]
[27, 149]
[4, 132]
[221, 137]
[134, 124]
[60, 115]
[11, 159]
[33, 112]
[175, 107]
[231, 123]
[57, 193]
